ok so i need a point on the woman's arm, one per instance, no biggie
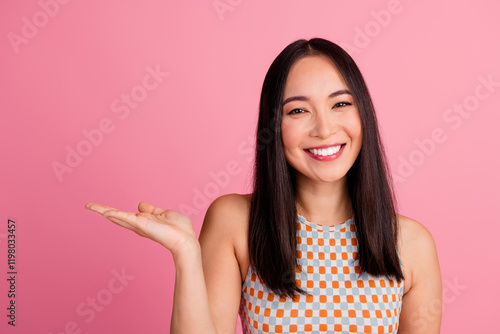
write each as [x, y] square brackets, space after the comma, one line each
[422, 305]
[191, 310]
[226, 221]
[208, 284]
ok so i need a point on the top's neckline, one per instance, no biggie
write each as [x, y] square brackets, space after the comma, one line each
[332, 228]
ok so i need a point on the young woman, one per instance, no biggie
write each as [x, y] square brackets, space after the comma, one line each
[317, 246]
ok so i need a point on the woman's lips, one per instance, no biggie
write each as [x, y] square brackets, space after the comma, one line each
[325, 146]
[332, 153]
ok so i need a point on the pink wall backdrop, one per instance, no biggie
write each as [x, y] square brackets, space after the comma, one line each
[125, 101]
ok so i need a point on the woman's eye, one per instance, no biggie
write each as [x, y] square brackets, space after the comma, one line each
[341, 104]
[296, 111]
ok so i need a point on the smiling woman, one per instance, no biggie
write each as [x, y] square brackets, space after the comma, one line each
[318, 245]
[309, 121]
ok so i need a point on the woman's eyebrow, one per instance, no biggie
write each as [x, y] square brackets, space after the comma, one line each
[305, 98]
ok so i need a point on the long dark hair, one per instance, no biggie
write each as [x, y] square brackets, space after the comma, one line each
[273, 215]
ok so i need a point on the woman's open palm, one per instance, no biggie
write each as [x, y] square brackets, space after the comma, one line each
[167, 227]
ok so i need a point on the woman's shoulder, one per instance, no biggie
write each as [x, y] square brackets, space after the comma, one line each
[417, 248]
[422, 284]
[230, 215]
[412, 232]
[234, 206]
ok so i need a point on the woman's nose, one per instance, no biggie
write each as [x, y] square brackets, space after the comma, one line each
[324, 125]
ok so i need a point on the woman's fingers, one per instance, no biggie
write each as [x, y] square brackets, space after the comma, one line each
[126, 225]
[167, 227]
[133, 221]
[149, 208]
[114, 215]
[128, 217]
[138, 222]
[98, 207]
[142, 222]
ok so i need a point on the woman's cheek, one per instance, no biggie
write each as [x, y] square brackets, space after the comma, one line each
[354, 126]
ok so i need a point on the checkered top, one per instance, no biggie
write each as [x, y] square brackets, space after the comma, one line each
[338, 302]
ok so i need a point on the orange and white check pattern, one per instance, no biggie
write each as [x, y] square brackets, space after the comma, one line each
[340, 300]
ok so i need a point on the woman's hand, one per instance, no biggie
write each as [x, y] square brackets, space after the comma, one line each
[170, 228]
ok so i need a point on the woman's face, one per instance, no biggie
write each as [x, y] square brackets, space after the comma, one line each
[321, 128]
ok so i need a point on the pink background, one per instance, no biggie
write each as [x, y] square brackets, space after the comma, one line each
[64, 73]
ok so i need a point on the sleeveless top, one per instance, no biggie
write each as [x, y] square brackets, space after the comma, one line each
[339, 300]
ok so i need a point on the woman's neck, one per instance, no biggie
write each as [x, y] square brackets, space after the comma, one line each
[324, 203]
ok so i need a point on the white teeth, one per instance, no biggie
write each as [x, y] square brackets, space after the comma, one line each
[326, 151]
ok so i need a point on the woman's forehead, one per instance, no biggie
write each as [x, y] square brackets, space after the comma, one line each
[313, 75]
